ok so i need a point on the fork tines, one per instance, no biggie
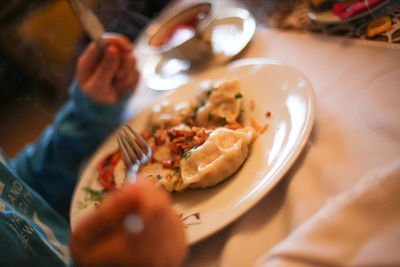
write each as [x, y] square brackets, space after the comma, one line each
[132, 146]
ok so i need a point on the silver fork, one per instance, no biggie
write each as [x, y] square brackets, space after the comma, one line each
[134, 154]
[89, 21]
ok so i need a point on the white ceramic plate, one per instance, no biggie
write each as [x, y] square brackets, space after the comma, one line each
[328, 17]
[282, 90]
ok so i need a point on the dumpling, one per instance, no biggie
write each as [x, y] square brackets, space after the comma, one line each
[222, 101]
[165, 114]
[219, 157]
[161, 177]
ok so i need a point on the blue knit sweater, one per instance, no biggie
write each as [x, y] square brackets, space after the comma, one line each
[36, 187]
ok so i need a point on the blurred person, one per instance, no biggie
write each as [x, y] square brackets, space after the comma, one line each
[36, 186]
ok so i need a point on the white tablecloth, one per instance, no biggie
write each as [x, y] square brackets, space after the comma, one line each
[357, 130]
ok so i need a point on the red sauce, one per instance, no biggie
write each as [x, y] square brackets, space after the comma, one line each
[182, 32]
[106, 170]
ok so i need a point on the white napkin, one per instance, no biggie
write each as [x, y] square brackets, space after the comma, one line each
[360, 227]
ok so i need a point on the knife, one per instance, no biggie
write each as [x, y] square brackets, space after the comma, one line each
[89, 21]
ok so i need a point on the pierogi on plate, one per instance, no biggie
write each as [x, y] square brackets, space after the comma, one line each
[195, 144]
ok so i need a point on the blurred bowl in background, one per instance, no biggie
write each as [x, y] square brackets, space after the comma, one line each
[226, 35]
[182, 33]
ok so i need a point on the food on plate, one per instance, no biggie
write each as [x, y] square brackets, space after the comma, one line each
[221, 101]
[194, 144]
[219, 157]
[259, 128]
[379, 25]
[106, 169]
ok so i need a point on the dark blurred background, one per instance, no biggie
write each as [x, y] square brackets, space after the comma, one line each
[40, 41]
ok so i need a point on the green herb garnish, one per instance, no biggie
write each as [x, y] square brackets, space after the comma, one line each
[222, 121]
[238, 95]
[202, 103]
[175, 169]
[210, 91]
[187, 153]
[128, 140]
[159, 177]
[155, 129]
[95, 195]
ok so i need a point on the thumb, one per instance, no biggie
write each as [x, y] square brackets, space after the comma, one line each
[87, 62]
[108, 66]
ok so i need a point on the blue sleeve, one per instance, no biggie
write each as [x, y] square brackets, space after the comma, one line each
[51, 164]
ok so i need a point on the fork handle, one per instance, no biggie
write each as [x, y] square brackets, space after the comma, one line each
[132, 172]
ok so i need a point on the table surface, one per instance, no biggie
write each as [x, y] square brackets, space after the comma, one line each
[357, 129]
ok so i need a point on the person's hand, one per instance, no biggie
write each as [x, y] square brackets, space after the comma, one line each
[103, 239]
[109, 74]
